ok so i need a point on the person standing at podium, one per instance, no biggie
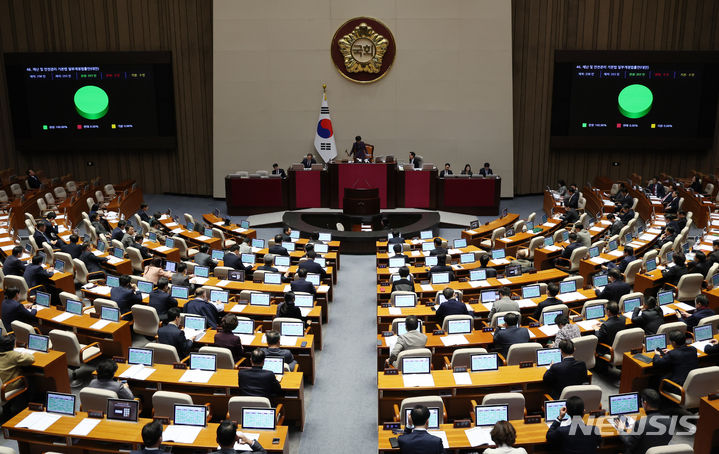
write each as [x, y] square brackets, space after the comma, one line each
[359, 150]
[308, 161]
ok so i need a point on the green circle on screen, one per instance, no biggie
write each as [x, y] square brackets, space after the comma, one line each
[635, 101]
[91, 102]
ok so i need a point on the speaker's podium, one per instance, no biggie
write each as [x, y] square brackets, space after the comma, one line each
[360, 201]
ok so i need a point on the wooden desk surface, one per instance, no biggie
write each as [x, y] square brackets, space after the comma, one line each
[443, 379]
[81, 321]
[232, 229]
[451, 252]
[487, 229]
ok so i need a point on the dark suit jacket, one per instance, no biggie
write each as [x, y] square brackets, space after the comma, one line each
[117, 234]
[404, 285]
[614, 290]
[578, 443]
[450, 307]
[203, 259]
[568, 372]
[258, 382]
[202, 307]
[441, 269]
[307, 164]
[301, 285]
[420, 442]
[289, 310]
[694, 319]
[41, 239]
[673, 274]
[36, 275]
[609, 329]
[172, 335]
[567, 253]
[231, 342]
[278, 250]
[395, 240]
[144, 250]
[550, 301]
[73, 249]
[626, 260]
[144, 216]
[657, 189]
[14, 310]
[673, 206]
[504, 338]
[438, 251]
[280, 172]
[648, 320]
[639, 441]
[282, 353]
[233, 260]
[162, 301]
[628, 216]
[679, 361]
[92, 262]
[181, 279]
[713, 257]
[445, 172]
[485, 172]
[33, 181]
[125, 298]
[313, 267]
[573, 201]
[702, 268]
[13, 266]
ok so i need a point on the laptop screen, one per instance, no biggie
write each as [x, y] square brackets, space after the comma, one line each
[321, 261]
[547, 356]
[122, 409]
[622, 404]
[396, 262]
[600, 280]
[549, 241]
[220, 296]
[260, 299]
[702, 333]
[179, 292]
[295, 234]
[460, 243]
[273, 278]
[631, 303]
[112, 281]
[430, 261]
[551, 316]
[289, 245]
[201, 271]
[425, 234]
[715, 280]
[651, 265]
[489, 415]
[144, 286]
[665, 297]
[428, 246]
[40, 343]
[402, 327]
[484, 361]
[42, 299]
[292, 329]
[321, 248]
[258, 243]
[440, 278]
[110, 313]
[258, 418]
[195, 322]
[274, 364]
[248, 258]
[612, 245]
[313, 278]
[60, 403]
[655, 341]
[100, 246]
[73, 307]
[513, 271]
[432, 422]
[325, 237]
[489, 296]
[170, 266]
[118, 253]
[531, 291]
[593, 251]
[152, 237]
[628, 237]
[565, 236]
[190, 415]
[405, 300]
[59, 265]
[282, 260]
[217, 254]
[246, 225]
[459, 326]
[236, 275]
[498, 254]
[594, 312]
[474, 224]
[415, 365]
[467, 258]
[552, 408]
[139, 356]
[244, 327]
[567, 286]
[304, 301]
[478, 275]
[203, 361]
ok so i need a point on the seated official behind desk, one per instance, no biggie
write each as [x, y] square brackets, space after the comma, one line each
[273, 349]
[504, 304]
[13, 266]
[615, 322]
[411, 339]
[11, 364]
[105, 379]
[171, 334]
[92, 262]
[405, 283]
[486, 171]
[301, 284]
[701, 302]
[161, 300]
[151, 438]
[483, 262]
[419, 440]
[510, 334]
[678, 361]
[649, 317]
[308, 161]
[565, 373]
[575, 438]
[277, 170]
[640, 438]
[12, 309]
[257, 381]
[552, 292]
[201, 306]
[228, 436]
[451, 306]
[438, 249]
[441, 267]
[225, 337]
[616, 288]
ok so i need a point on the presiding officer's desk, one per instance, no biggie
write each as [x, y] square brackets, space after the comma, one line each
[473, 195]
[218, 390]
[117, 436]
[245, 195]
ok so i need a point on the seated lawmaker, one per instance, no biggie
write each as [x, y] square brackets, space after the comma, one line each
[483, 262]
[142, 212]
[405, 283]
[397, 238]
[153, 271]
[565, 373]
[614, 323]
[442, 267]
[574, 243]
[13, 266]
[509, 334]
[256, 381]
[286, 233]
[277, 248]
[574, 438]
[171, 334]
[308, 161]
[649, 317]
[228, 436]
[674, 273]
[288, 309]
[125, 295]
[204, 257]
[201, 306]
[451, 306]
[225, 338]
[161, 299]
[36, 275]
[504, 304]
[701, 302]
[438, 249]
[504, 436]
[41, 237]
[233, 259]
[700, 264]
[267, 264]
[627, 258]
[419, 440]
[640, 437]
[486, 171]
[151, 439]
[467, 170]
[277, 170]
[92, 262]
[411, 339]
[447, 171]
[273, 350]
[33, 180]
[679, 361]
[616, 288]
[301, 284]
[311, 266]
[12, 309]
[105, 379]
[414, 160]
[552, 292]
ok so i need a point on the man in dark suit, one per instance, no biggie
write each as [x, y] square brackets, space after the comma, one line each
[277, 248]
[451, 306]
[617, 224]
[656, 188]
[653, 430]
[648, 317]
[308, 161]
[573, 200]
[674, 273]
[483, 262]
[36, 275]
[668, 236]
[614, 323]
[32, 179]
[203, 258]
[267, 264]
[672, 205]
[273, 349]
[228, 437]
[570, 217]
[405, 283]
[151, 439]
[13, 309]
[575, 438]
[161, 300]
[573, 244]
[301, 284]
[486, 171]
[201, 306]
[119, 231]
[40, 237]
[616, 288]
[679, 221]
[565, 373]
[51, 229]
[137, 244]
[277, 170]
[441, 267]
[125, 295]
[171, 334]
[700, 264]
[713, 256]
[438, 249]
[414, 160]
[180, 276]
[509, 334]
[142, 212]
[626, 259]
[13, 266]
[419, 441]
[256, 381]
[359, 149]
[233, 259]
[679, 361]
[91, 261]
[446, 171]
[286, 233]
[701, 302]
[627, 213]
[396, 238]
[72, 248]
[311, 266]
[552, 292]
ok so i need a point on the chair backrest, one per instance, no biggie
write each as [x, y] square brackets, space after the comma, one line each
[554, 307]
[66, 258]
[712, 271]
[22, 331]
[590, 303]
[136, 259]
[3, 197]
[237, 403]
[414, 353]
[64, 296]
[459, 294]
[584, 348]
[626, 340]
[651, 254]
[30, 227]
[671, 449]
[16, 281]
[689, 286]
[189, 219]
[163, 354]
[99, 303]
[163, 403]
[16, 189]
[181, 245]
[221, 272]
[66, 341]
[95, 399]
[145, 320]
[394, 294]
[60, 192]
[497, 315]
[118, 244]
[80, 271]
[712, 320]
[277, 322]
[577, 255]
[522, 352]
[514, 401]
[531, 216]
[631, 271]
[666, 247]
[224, 356]
[90, 202]
[632, 295]
[590, 394]
[700, 383]
[109, 190]
[71, 186]
[558, 235]
[427, 401]
[99, 196]
[145, 227]
[534, 243]
[519, 226]
[666, 328]
[461, 357]
[41, 205]
[447, 319]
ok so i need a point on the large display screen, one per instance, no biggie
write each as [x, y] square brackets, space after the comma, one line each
[91, 100]
[634, 99]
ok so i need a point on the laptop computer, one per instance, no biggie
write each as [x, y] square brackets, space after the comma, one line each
[289, 245]
[478, 275]
[426, 235]
[118, 253]
[273, 278]
[325, 237]
[460, 243]
[139, 356]
[432, 422]
[274, 364]
[258, 418]
[321, 248]
[430, 261]
[179, 291]
[552, 408]
[112, 281]
[42, 299]
[152, 236]
[402, 327]
[189, 415]
[170, 266]
[459, 326]
[473, 224]
[304, 300]
[59, 265]
[631, 303]
[489, 415]
[440, 278]
[623, 404]
[547, 356]
[259, 299]
[73, 307]
[236, 275]
[396, 262]
[217, 254]
[122, 410]
[594, 312]
[428, 246]
[247, 258]
[258, 243]
[655, 341]
[664, 298]
[650, 265]
[600, 281]
[201, 271]
[295, 234]
[38, 342]
[415, 365]
[282, 260]
[244, 327]
[405, 300]
[219, 296]
[196, 322]
[612, 246]
[488, 296]
[313, 278]
[60, 403]
[295, 329]
[245, 224]
[531, 291]
[567, 287]
[101, 246]
[144, 286]
[498, 254]
[484, 361]
[548, 241]
[110, 313]
[203, 361]
[468, 257]
[593, 252]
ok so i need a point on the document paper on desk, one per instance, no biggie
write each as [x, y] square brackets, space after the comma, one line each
[138, 372]
[241, 446]
[390, 341]
[684, 306]
[62, 317]
[440, 434]
[590, 324]
[181, 434]
[246, 339]
[323, 288]
[289, 341]
[394, 310]
[454, 339]
[462, 378]
[237, 308]
[199, 280]
[549, 330]
[504, 281]
[85, 426]
[222, 283]
[427, 288]
[196, 376]
[100, 324]
[417, 380]
[162, 248]
[39, 421]
[475, 284]
[478, 436]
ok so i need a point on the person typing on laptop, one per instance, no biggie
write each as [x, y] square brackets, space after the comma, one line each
[679, 361]
[405, 283]
[614, 323]
[616, 288]
[301, 284]
[273, 349]
[106, 369]
[451, 306]
[510, 333]
[650, 431]
[442, 267]
[288, 309]
[483, 262]
[418, 440]
[412, 338]
[201, 306]
[171, 334]
[12, 309]
[256, 381]
[227, 436]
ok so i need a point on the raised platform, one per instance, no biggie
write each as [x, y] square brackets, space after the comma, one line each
[446, 218]
[354, 241]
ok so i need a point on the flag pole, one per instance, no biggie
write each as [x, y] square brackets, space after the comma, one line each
[324, 91]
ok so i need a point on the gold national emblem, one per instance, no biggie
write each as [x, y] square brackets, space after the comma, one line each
[363, 49]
